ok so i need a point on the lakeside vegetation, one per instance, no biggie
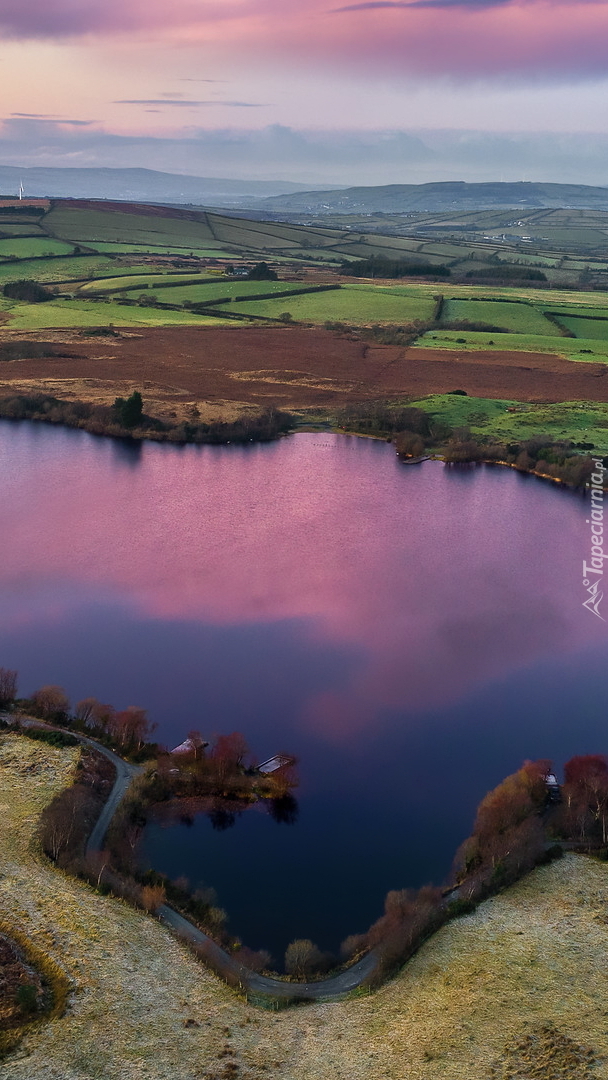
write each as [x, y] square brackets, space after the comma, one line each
[486, 431]
[522, 823]
[126, 419]
[478, 996]
[423, 429]
[221, 780]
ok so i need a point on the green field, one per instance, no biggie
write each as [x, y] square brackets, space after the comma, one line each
[123, 233]
[148, 279]
[50, 270]
[518, 318]
[32, 247]
[223, 287]
[160, 249]
[352, 303]
[60, 313]
[592, 329]
[578, 421]
[583, 349]
[23, 229]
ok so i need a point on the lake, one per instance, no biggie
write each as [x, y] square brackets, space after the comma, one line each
[411, 633]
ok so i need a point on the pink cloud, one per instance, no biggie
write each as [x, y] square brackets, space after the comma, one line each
[461, 38]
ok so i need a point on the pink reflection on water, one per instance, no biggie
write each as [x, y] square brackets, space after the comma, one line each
[439, 580]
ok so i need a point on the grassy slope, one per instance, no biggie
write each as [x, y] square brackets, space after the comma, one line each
[352, 303]
[583, 349]
[539, 953]
[593, 329]
[576, 420]
[151, 278]
[68, 313]
[520, 318]
[49, 270]
[32, 247]
[224, 287]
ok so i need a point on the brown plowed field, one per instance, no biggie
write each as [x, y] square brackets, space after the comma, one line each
[223, 370]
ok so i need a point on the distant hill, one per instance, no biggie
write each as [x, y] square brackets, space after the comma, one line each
[445, 196]
[140, 185]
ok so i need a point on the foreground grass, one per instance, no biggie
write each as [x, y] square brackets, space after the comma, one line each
[484, 985]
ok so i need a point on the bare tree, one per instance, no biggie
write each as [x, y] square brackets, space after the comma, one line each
[586, 791]
[8, 686]
[131, 727]
[302, 958]
[61, 820]
[102, 717]
[83, 710]
[228, 755]
[50, 700]
[97, 862]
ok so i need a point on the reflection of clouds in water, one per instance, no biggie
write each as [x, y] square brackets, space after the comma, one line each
[438, 579]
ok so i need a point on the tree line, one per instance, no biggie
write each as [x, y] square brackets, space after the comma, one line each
[126, 417]
[379, 266]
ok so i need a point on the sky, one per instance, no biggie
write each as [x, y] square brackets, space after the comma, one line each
[309, 88]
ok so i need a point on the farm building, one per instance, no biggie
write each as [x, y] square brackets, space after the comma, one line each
[279, 761]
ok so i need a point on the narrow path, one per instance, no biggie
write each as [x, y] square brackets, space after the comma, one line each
[335, 987]
[125, 774]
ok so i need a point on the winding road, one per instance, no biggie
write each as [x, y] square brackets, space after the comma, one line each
[333, 988]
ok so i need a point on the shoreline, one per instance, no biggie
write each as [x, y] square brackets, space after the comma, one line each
[137, 437]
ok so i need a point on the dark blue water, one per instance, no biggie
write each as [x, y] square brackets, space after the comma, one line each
[412, 633]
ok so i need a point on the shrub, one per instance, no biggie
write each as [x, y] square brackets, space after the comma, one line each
[27, 998]
[409, 444]
[262, 272]
[49, 701]
[53, 738]
[129, 410]
[30, 291]
[152, 896]
[457, 908]
[30, 350]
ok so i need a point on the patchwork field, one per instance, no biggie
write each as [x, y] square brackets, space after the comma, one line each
[521, 982]
[545, 345]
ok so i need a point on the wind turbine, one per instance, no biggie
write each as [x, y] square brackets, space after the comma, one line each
[20, 190]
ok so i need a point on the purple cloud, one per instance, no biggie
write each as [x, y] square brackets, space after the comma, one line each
[372, 5]
[42, 118]
[191, 104]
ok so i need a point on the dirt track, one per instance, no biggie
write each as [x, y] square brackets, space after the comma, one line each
[223, 370]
